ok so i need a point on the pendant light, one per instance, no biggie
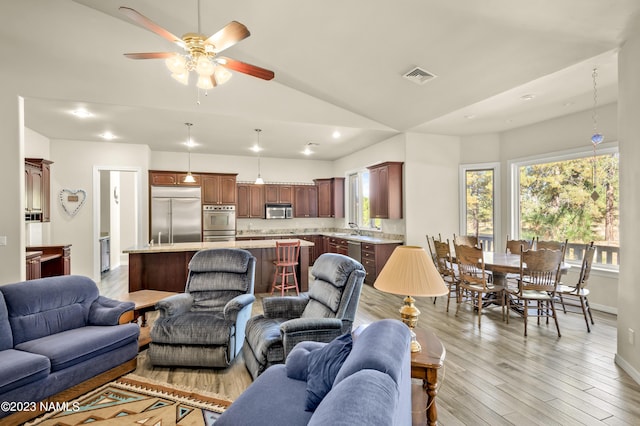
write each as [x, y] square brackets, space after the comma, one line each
[596, 137]
[189, 177]
[259, 180]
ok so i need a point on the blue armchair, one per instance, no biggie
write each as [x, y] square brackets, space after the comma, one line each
[325, 312]
[205, 325]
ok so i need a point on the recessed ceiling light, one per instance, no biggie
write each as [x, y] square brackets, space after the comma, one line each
[256, 148]
[190, 143]
[527, 97]
[108, 136]
[81, 113]
[307, 151]
[567, 104]
[470, 116]
[336, 134]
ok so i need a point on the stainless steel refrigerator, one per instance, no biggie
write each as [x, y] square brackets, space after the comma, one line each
[175, 214]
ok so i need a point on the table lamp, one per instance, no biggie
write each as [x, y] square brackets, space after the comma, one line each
[410, 272]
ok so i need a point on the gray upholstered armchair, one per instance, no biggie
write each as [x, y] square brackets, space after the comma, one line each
[205, 325]
[325, 312]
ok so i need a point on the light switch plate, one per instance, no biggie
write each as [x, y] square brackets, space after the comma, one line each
[3, 240]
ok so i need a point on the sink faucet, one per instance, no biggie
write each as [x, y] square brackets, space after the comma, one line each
[355, 226]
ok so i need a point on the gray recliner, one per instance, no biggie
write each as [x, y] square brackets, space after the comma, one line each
[205, 325]
[325, 312]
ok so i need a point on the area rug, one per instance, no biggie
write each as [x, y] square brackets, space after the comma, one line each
[135, 400]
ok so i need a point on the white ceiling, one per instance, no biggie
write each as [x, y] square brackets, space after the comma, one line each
[338, 66]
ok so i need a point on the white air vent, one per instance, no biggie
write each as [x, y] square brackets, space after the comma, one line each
[419, 76]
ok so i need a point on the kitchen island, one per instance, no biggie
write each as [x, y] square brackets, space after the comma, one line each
[165, 266]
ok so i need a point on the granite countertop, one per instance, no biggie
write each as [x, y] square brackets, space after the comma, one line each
[195, 246]
[343, 235]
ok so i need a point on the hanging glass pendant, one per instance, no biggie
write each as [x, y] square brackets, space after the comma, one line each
[597, 138]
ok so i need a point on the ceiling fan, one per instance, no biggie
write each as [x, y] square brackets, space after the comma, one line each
[201, 52]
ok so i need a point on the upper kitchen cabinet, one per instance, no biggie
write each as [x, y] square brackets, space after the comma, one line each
[37, 176]
[277, 193]
[385, 190]
[219, 188]
[305, 201]
[330, 197]
[250, 201]
[162, 178]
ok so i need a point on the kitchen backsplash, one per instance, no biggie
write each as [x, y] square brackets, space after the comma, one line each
[391, 229]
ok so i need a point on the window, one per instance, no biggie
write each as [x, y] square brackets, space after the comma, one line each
[359, 200]
[572, 197]
[479, 202]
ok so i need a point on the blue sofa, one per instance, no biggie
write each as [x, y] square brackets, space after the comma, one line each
[57, 333]
[372, 387]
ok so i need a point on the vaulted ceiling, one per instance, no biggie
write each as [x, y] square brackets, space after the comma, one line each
[338, 65]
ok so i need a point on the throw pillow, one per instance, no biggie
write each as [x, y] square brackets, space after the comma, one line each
[323, 367]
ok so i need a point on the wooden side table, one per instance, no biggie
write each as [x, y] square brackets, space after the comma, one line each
[145, 301]
[425, 365]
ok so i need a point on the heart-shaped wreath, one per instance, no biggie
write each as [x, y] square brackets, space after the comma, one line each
[72, 200]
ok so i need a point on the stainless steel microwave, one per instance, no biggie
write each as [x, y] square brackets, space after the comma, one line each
[278, 211]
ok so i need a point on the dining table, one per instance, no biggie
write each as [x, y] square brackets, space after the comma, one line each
[500, 264]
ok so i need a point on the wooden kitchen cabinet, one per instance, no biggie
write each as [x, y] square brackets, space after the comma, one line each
[33, 265]
[218, 188]
[314, 251]
[162, 178]
[250, 201]
[305, 201]
[37, 189]
[385, 190]
[330, 197]
[374, 257]
[276, 193]
[338, 245]
[55, 260]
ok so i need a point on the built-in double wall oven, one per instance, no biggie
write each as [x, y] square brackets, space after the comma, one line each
[218, 223]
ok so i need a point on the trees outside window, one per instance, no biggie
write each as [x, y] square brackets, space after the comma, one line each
[574, 198]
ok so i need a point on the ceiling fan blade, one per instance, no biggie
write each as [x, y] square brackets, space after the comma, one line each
[147, 23]
[245, 68]
[152, 55]
[232, 33]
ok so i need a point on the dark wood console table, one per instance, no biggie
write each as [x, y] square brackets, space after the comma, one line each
[54, 260]
[425, 365]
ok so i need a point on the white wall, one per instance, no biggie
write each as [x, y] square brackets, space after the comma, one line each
[37, 146]
[628, 355]
[273, 170]
[12, 257]
[431, 187]
[129, 228]
[75, 163]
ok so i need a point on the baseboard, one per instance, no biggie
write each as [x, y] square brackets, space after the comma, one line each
[604, 308]
[75, 391]
[635, 374]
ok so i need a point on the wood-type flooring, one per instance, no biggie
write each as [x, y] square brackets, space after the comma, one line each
[492, 376]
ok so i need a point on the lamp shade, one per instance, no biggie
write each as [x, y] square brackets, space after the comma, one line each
[411, 272]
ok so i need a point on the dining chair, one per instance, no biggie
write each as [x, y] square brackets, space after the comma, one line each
[551, 245]
[537, 285]
[444, 264]
[474, 281]
[516, 246]
[467, 240]
[577, 294]
[432, 250]
[287, 254]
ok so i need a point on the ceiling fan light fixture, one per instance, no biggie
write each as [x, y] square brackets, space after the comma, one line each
[221, 74]
[177, 64]
[181, 78]
[204, 66]
[204, 82]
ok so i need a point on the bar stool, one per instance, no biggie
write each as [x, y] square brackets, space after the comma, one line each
[287, 253]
